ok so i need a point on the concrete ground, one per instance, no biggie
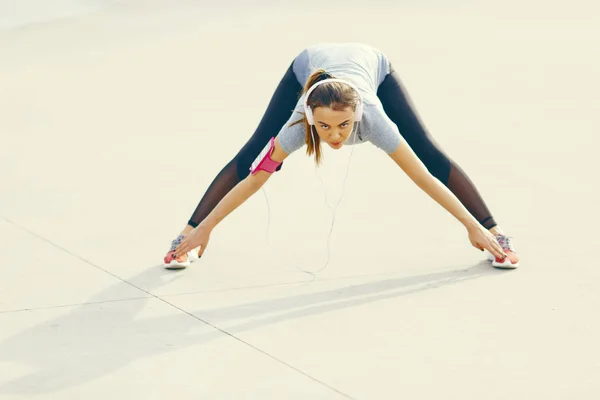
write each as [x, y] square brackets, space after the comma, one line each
[116, 115]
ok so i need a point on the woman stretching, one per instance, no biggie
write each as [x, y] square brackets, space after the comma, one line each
[342, 94]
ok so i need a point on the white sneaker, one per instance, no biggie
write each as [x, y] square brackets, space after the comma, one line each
[511, 261]
[182, 261]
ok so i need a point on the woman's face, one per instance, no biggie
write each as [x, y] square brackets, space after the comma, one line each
[334, 127]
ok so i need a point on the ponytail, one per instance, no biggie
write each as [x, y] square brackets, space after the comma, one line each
[312, 140]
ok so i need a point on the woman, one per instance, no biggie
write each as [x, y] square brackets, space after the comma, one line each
[341, 94]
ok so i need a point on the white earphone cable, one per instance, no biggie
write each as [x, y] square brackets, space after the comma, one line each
[334, 209]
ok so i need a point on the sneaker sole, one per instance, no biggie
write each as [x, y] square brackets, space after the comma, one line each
[504, 265]
[177, 265]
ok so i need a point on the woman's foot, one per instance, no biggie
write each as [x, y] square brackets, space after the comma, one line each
[182, 261]
[512, 260]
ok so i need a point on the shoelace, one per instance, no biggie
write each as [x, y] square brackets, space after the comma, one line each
[176, 242]
[505, 242]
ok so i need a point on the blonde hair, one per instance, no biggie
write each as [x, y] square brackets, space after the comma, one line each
[335, 95]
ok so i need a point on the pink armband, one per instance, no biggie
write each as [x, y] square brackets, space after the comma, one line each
[264, 162]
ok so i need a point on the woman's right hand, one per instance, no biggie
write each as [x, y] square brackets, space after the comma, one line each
[481, 238]
[198, 237]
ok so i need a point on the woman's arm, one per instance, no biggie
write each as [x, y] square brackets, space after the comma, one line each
[406, 159]
[242, 191]
[232, 200]
[480, 237]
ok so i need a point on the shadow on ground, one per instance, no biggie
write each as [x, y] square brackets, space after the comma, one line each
[94, 340]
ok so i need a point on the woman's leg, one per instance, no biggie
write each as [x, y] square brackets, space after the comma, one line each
[398, 106]
[278, 112]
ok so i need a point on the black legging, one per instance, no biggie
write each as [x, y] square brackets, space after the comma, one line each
[397, 106]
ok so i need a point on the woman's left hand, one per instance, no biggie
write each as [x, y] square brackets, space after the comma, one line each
[482, 238]
[198, 237]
